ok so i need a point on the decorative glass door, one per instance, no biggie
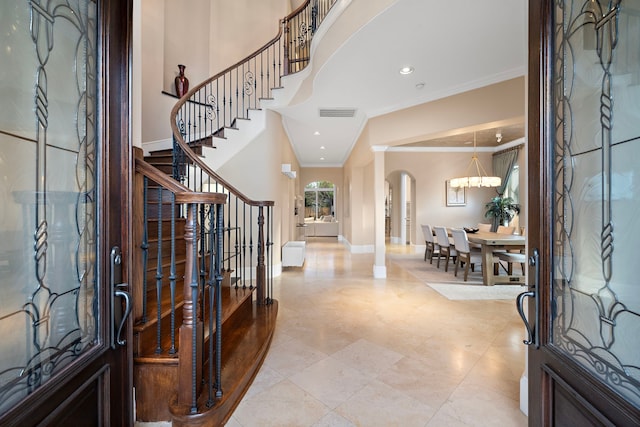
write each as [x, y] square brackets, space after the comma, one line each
[53, 302]
[48, 153]
[597, 192]
[585, 355]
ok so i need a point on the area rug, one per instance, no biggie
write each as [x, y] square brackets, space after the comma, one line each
[450, 286]
[457, 291]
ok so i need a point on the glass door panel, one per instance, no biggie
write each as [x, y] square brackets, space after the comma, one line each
[596, 303]
[48, 189]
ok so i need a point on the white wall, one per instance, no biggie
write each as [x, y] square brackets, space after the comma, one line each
[207, 36]
[155, 106]
[186, 41]
[430, 171]
[256, 171]
[240, 27]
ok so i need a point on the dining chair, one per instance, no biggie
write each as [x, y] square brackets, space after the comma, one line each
[483, 227]
[467, 255]
[502, 229]
[446, 249]
[510, 258]
[432, 247]
[516, 255]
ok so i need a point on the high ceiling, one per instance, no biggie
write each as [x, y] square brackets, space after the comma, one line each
[453, 46]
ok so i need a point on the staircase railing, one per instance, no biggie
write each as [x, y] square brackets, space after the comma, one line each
[240, 231]
[217, 103]
[196, 288]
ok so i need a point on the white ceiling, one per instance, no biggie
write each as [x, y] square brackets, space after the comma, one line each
[454, 46]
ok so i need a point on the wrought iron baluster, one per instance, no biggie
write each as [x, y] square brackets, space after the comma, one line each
[172, 275]
[219, 237]
[236, 244]
[159, 276]
[211, 291]
[269, 257]
[145, 247]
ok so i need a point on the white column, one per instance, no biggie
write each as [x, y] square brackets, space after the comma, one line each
[379, 266]
[403, 208]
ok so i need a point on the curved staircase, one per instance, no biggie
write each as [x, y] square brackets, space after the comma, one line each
[204, 313]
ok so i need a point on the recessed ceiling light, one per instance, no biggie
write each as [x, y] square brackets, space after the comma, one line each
[406, 70]
[321, 158]
[419, 85]
[322, 147]
[316, 133]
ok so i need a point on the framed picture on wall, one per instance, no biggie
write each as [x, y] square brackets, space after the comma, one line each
[455, 196]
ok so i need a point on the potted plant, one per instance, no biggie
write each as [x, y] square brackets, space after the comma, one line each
[502, 210]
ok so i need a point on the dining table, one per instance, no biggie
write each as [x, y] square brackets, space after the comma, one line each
[491, 242]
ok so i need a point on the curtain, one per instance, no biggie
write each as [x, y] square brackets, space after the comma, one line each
[503, 163]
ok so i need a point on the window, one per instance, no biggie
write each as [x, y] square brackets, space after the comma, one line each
[319, 199]
[513, 190]
[513, 185]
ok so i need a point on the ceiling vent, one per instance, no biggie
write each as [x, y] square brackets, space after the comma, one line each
[337, 112]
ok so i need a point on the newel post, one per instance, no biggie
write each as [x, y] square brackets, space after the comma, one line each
[190, 361]
[260, 268]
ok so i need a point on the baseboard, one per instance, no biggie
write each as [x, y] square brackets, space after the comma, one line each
[359, 249]
[524, 394]
[379, 271]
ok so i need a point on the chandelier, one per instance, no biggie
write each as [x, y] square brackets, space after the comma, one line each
[481, 179]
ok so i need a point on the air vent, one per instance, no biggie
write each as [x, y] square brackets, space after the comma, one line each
[337, 112]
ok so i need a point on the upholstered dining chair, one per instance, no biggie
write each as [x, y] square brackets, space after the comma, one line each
[514, 256]
[446, 249]
[467, 255]
[484, 227]
[432, 247]
[503, 229]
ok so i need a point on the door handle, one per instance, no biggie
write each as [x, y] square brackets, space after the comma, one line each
[520, 307]
[118, 290]
[533, 335]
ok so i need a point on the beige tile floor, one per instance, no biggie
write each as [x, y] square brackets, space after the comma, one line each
[350, 350]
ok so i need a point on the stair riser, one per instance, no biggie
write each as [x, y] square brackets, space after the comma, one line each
[152, 227]
[155, 386]
[152, 280]
[153, 211]
[152, 252]
[145, 338]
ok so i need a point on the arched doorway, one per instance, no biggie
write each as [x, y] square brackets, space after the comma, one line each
[400, 210]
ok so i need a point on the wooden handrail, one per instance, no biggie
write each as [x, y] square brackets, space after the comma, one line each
[183, 194]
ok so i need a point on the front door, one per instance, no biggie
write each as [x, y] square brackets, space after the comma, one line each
[584, 146]
[64, 359]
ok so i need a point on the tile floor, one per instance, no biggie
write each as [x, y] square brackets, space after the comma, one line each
[350, 350]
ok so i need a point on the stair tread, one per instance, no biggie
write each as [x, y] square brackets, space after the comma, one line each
[232, 299]
[244, 350]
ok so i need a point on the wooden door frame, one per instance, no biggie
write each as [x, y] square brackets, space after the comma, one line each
[539, 63]
[549, 368]
[116, 46]
[109, 371]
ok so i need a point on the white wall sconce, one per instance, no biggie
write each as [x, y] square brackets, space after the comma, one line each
[286, 169]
